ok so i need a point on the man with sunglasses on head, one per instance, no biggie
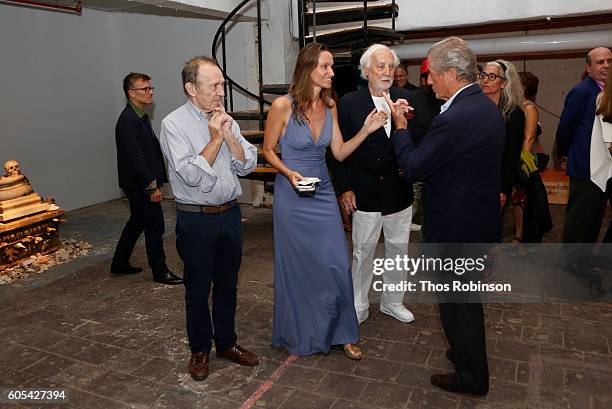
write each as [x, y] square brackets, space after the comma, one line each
[142, 172]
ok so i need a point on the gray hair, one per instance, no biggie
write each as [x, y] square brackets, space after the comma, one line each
[366, 59]
[190, 69]
[513, 94]
[453, 53]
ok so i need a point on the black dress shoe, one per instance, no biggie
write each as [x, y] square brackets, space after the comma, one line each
[167, 277]
[449, 383]
[591, 273]
[119, 271]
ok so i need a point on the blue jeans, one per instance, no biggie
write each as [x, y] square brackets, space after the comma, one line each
[211, 249]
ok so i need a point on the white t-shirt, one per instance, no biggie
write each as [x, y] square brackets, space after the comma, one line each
[381, 105]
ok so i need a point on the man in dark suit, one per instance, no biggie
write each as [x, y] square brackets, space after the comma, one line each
[459, 161]
[371, 186]
[587, 203]
[142, 172]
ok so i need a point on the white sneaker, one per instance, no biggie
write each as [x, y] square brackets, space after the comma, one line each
[415, 227]
[397, 311]
[362, 316]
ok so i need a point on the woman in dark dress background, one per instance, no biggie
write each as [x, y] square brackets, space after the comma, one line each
[500, 82]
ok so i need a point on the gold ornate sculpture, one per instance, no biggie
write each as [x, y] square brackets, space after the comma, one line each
[13, 184]
[29, 225]
[17, 198]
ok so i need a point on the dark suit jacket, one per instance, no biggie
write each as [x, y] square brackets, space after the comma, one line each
[410, 87]
[139, 156]
[426, 107]
[459, 160]
[371, 171]
[575, 128]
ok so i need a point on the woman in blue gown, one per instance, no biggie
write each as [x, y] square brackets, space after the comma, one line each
[313, 291]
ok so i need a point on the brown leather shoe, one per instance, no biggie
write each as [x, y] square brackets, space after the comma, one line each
[198, 366]
[239, 355]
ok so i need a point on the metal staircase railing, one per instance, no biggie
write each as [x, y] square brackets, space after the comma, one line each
[230, 84]
[303, 30]
[353, 38]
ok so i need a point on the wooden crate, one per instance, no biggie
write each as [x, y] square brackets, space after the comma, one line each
[557, 185]
[37, 233]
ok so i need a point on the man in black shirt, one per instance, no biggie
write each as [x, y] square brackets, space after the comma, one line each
[142, 172]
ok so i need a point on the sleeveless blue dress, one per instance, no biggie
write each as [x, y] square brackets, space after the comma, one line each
[313, 289]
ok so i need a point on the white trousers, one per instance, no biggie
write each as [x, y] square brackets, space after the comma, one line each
[366, 232]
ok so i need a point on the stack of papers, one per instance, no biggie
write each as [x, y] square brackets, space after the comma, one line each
[307, 184]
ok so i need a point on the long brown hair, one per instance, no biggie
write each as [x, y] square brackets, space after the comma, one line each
[301, 87]
[604, 107]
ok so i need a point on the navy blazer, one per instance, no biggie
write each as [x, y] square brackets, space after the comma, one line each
[426, 107]
[371, 171]
[575, 127]
[139, 156]
[459, 161]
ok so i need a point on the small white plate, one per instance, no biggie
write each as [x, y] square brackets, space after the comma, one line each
[308, 181]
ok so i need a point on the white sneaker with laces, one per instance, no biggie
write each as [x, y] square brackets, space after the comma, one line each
[397, 311]
[362, 316]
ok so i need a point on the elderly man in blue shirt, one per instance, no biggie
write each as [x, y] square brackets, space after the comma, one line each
[206, 153]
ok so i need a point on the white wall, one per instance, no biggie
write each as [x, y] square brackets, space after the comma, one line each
[443, 13]
[61, 90]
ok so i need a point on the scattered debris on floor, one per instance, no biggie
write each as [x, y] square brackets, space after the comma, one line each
[37, 263]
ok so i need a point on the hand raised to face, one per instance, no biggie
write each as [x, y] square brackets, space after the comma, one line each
[226, 120]
[399, 110]
[227, 123]
[215, 124]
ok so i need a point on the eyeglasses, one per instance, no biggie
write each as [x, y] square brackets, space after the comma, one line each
[491, 76]
[145, 89]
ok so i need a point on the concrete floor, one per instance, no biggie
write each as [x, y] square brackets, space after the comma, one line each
[116, 342]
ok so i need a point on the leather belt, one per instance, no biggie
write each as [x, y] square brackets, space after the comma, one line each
[206, 209]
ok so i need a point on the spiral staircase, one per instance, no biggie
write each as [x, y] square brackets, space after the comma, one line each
[346, 27]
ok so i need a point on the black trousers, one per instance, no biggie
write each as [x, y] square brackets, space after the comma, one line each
[145, 216]
[608, 237]
[211, 249]
[464, 327]
[585, 211]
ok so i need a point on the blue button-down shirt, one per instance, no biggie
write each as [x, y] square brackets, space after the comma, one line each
[184, 134]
